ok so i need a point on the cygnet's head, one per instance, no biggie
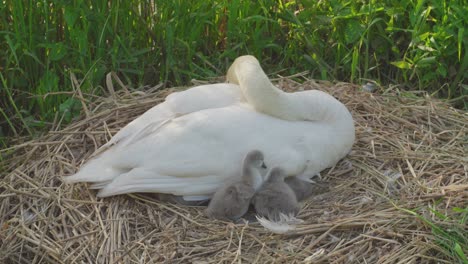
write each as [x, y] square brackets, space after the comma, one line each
[254, 159]
[242, 61]
[276, 174]
[254, 168]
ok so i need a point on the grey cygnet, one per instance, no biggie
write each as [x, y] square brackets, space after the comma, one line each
[304, 190]
[232, 200]
[275, 197]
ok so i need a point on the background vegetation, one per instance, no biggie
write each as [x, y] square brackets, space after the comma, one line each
[416, 45]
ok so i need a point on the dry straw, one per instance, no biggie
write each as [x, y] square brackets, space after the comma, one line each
[407, 167]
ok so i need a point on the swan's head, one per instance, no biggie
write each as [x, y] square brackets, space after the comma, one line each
[276, 174]
[241, 62]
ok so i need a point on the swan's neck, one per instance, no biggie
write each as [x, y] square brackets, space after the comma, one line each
[262, 94]
[264, 97]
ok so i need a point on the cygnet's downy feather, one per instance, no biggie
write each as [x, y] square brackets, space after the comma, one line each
[189, 144]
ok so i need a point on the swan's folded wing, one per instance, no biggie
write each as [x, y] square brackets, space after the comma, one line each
[170, 148]
[177, 104]
[141, 180]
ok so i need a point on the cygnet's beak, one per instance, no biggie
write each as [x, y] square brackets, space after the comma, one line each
[263, 165]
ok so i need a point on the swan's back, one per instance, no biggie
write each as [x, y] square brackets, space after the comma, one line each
[177, 104]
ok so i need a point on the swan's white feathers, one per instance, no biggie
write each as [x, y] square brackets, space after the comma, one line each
[177, 104]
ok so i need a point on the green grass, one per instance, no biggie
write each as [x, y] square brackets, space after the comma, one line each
[419, 45]
[450, 231]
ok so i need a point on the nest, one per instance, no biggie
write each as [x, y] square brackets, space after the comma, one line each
[398, 197]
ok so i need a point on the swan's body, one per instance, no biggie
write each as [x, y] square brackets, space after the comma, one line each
[191, 145]
[275, 197]
[231, 201]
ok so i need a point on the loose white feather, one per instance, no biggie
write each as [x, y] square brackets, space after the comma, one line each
[286, 224]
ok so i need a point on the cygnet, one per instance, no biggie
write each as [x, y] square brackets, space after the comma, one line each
[275, 197]
[232, 201]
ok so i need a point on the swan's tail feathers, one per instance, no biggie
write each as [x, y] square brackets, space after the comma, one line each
[141, 180]
[285, 224]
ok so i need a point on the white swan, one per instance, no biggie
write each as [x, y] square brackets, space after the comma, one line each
[193, 148]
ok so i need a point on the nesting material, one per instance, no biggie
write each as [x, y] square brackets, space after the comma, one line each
[409, 164]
